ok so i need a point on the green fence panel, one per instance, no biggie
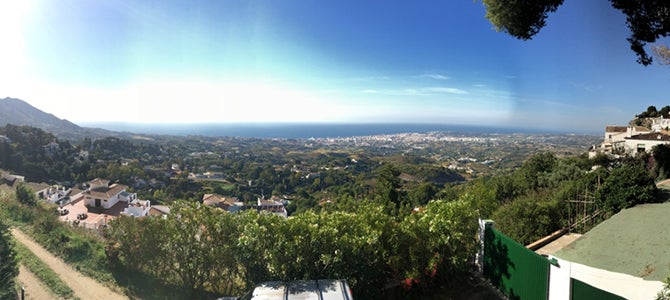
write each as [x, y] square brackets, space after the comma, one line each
[516, 271]
[583, 291]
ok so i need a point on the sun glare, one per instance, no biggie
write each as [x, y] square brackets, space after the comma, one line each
[12, 53]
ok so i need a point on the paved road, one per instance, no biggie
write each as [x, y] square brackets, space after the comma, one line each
[83, 287]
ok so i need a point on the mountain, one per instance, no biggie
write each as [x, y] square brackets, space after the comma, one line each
[18, 112]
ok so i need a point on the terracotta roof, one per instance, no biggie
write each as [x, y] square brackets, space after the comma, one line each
[231, 200]
[616, 129]
[159, 210]
[211, 197]
[264, 202]
[654, 136]
[107, 193]
[641, 128]
[36, 187]
[98, 181]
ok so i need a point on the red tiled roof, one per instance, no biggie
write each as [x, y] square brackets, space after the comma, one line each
[654, 136]
[113, 190]
[615, 129]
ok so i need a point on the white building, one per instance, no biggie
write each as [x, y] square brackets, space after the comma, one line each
[660, 123]
[101, 194]
[137, 208]
[620, 140]
[645, 142]
[272, 206]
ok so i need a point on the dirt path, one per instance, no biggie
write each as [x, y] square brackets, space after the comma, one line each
[33, 286]
[82, 286]
[664, 182]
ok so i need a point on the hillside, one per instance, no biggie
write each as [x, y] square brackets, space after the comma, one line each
[18, 112]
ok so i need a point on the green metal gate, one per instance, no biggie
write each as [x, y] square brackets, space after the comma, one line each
[581, 290]
[515, 270]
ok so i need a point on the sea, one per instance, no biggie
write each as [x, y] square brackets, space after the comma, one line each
[305, 130]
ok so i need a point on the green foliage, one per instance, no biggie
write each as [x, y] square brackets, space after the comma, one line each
[647, 20]
[535, 170]
[8, 263]
[664, 294]
[422, 194]
[201, 248]
[440, 240]
[25, 195]
[661, 161]
[388, 190]
[521, 19]
[529, 218]
[626, 186]
[31, 154]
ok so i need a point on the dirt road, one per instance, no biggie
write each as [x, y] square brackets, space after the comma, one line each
[34, 289]
[82, 286]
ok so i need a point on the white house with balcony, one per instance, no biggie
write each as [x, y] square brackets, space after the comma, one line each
[645, 142]
[272, 206]
[101, 194]
[618, 140]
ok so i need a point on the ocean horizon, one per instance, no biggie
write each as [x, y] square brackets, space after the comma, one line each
[308, 130]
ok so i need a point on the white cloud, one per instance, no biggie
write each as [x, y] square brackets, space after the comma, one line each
[424, 91]
[435, 76]
[447, 90]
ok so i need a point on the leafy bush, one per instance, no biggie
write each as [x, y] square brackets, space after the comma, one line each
[626, 186]
[529, 218]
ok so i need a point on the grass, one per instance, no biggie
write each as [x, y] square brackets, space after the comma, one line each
[43, 272]
[228, 187]
[634, 241]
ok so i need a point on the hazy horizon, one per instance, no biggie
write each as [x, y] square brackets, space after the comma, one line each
[313, 129]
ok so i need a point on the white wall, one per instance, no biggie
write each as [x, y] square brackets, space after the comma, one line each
[624, 285]
[559, 279]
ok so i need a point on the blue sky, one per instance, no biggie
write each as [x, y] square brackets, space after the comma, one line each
[322, 61]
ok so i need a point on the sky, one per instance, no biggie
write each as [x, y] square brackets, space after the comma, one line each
[345, 61]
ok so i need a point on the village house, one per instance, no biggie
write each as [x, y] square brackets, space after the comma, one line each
[632, 139]
[272, 206]
[159, 211]
[101, 194]
[12, 178]
[231, 204]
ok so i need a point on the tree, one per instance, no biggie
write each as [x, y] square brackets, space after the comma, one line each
[664, 294]
[521, 19]
[661, 158]
[534, 169]
[387, 189]
[528, 218]
[25, 195]
[9, 268]
[626, 186]
[648, 20]
[662, 52]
